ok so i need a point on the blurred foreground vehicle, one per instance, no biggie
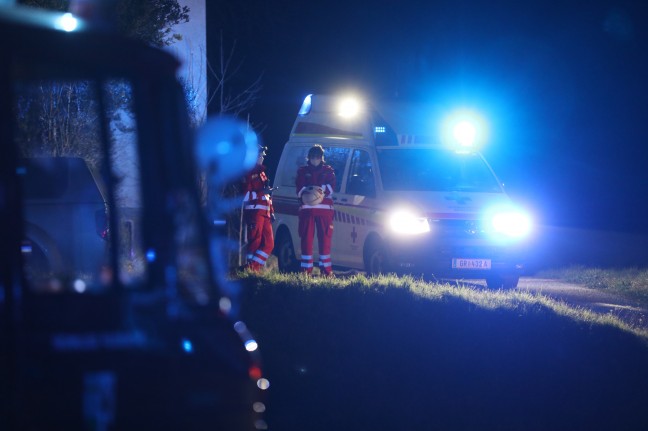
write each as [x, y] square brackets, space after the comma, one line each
[114, 311]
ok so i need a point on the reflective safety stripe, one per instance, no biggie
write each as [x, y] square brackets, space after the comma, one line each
[326, 264]
[322, 206]
[307, 264]
[325, 256]
[249, 256]
[305, 257]
[262, 253]
[257, 207]
[250, 196]
[259, 260]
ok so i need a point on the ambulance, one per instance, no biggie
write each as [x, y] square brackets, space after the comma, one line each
[411, 197]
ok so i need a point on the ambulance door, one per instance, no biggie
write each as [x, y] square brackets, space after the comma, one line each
[285, 201]
[356, 209]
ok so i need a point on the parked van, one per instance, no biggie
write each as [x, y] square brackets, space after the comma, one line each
[406, 201]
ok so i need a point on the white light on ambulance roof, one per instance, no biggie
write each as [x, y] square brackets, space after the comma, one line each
[306, 105]
[349, 107]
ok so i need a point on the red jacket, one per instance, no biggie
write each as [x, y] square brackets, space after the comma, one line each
[322, 176]
[253, 185]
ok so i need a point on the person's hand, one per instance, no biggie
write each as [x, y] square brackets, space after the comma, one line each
[272, 218]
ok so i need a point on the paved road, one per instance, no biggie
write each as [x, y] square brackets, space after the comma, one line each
[574, 294]
[595, 300]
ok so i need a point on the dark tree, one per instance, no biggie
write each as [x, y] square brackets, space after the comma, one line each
[150, 21]
[60, 118]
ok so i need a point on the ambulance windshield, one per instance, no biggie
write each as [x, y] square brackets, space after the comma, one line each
[425, 169]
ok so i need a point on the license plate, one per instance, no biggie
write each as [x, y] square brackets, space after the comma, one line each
[458, 263]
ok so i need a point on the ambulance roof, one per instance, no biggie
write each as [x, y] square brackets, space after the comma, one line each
[378, 123]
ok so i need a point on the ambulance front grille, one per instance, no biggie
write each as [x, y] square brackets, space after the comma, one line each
[458, 229]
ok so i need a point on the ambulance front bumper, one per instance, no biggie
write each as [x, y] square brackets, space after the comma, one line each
[463, 258]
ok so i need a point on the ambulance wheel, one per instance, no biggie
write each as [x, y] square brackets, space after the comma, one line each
[285, 252]
[503, 281]
[376, 257]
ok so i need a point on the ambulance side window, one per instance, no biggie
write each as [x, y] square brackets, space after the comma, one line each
[361, 176]
[296, 157]
[337, 158]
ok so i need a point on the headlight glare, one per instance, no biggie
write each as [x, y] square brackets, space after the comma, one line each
[514, 224]
[407, 223]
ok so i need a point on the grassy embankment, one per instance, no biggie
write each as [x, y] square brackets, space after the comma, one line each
[396, 353]
[629, 282]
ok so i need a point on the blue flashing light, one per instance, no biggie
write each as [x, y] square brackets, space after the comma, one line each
[151, 255]
[464, 130]
[464, 133]
[380, 129]
[187, 346]
[67, 22]
[306, 105]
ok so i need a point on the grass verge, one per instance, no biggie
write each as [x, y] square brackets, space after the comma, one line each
[513, 300]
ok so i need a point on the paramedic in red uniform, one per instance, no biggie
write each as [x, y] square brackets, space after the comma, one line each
[258, 214]
[316, 217]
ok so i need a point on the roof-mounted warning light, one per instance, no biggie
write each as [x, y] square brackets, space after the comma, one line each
[464, 130]
[464, 133]
[348, 107]
[306, 105]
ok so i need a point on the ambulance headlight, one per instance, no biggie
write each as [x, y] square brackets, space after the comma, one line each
[406, 222]
[511, 223]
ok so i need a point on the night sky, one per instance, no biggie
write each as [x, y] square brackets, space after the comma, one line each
[562, 85]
